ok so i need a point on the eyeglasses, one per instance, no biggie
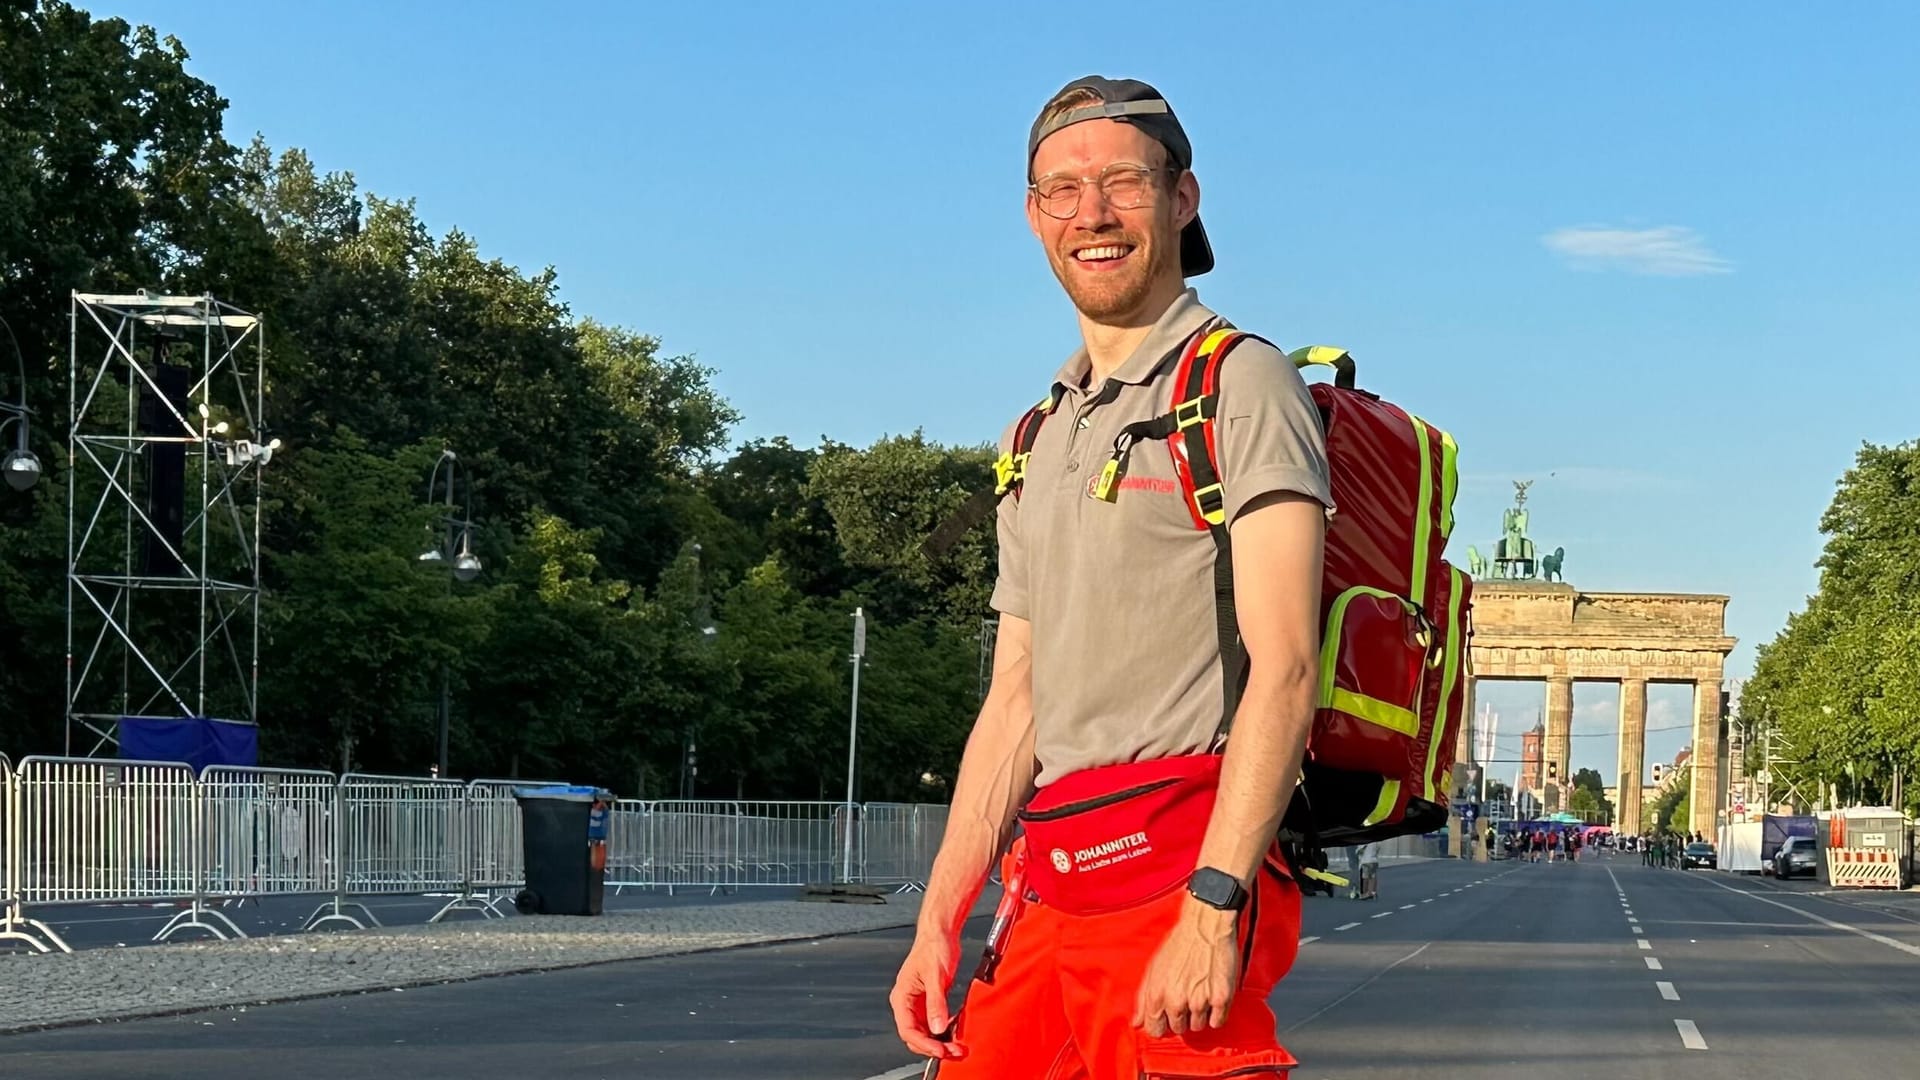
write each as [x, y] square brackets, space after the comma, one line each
[1124, 185]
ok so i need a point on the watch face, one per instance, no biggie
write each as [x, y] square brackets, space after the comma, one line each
[1214, 887]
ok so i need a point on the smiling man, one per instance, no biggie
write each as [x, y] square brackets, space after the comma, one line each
[1155, 914]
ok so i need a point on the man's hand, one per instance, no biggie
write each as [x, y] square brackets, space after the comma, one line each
[919, 995]
[1191, 981]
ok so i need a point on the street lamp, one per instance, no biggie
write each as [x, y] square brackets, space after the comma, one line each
[22, 469]
[464, 563]
[709, 638]
[853, 735]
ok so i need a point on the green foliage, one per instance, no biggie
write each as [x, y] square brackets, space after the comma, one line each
[1589, 796]
[1670, 809]
[1841, 682]
[613, 534]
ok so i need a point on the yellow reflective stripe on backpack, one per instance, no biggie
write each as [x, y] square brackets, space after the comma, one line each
[1451, 649]
[1374, 711]
[1449, 481]
[1389, 795]
[1420, 522]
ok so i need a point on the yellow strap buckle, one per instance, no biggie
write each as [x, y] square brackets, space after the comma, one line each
[1212, 517]
[1108, 484]
[1188, 413]
[1009, 470]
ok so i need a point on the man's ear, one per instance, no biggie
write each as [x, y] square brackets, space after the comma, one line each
[1186, 199]
[1033, 216]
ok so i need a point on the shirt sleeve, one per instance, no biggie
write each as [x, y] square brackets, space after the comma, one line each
[1267, 430]
[1010, 583]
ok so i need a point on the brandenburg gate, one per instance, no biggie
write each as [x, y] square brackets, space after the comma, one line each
[1526, 628]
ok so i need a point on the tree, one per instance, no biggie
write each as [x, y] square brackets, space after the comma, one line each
[1499, 792]
[885, 502]
[1669, 809]
[612, 538]
[1841, 682]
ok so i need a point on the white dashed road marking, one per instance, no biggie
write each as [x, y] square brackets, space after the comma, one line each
[1406, 907]
[900, 1073]
[1643, 943]
[1690, 1035]
[1308, 940]
[1637, 930]
[1667, 991]
[1653, 964]
[1348, 926]
[1382, 915]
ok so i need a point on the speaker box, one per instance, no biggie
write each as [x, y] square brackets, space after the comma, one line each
[166, 485]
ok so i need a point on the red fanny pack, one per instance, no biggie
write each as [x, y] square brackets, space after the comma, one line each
[1109, 838]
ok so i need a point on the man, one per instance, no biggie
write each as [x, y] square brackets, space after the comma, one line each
[1108, 665]
[1370, 871]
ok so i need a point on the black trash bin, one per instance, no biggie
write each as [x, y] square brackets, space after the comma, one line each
[564, 832]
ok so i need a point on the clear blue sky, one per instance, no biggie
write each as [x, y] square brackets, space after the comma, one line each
[1664, 260]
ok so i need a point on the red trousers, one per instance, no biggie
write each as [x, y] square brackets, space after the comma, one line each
[1060, 1006]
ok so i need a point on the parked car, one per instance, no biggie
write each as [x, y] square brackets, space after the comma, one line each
[1701, 855]
[1796, 856]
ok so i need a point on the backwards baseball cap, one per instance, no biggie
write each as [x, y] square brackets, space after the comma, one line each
[1133, 102]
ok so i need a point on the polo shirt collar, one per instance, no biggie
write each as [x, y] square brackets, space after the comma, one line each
[1184, 316]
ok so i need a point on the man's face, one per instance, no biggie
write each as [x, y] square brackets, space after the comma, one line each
[1110, 259]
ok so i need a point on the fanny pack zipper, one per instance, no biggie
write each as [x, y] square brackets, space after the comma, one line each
[1069, 809]
[1251, 1070]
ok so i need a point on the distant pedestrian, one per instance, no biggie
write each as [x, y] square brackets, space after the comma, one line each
[1370, 871]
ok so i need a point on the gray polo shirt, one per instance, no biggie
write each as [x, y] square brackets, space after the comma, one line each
[1126, 657]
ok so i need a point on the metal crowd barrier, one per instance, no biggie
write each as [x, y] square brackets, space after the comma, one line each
[398, 836]
[87, 831]
[14, 923]
[268, 832]
[93, 832]
[898, 842]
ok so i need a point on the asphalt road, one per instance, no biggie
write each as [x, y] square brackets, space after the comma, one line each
[1473, 970]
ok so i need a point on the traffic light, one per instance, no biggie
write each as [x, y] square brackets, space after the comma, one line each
[1659, 771]
[1553, 770]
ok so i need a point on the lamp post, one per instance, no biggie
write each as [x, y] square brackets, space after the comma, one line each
[21, 468]
[709, 636]
[465, 565]
[853, 737]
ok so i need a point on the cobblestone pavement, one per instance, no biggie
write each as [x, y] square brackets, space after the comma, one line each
[100, 984]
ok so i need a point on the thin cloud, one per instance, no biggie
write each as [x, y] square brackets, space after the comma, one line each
[1665, 251]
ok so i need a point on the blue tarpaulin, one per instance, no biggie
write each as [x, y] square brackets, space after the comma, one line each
[198, 741]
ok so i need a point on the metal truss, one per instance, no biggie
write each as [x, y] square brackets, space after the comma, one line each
[163, 387]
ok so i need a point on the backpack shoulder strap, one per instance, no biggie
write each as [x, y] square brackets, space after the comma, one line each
[1009, 474]
[1010, 470]
[1196, 400]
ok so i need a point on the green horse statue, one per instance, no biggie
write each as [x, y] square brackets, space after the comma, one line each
[1550, 565]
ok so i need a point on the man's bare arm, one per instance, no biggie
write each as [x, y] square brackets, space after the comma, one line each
[1278, 547]
[994, 782]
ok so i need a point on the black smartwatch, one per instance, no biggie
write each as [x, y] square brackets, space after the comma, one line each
[1217, 888]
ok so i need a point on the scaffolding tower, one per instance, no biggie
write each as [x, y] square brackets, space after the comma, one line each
[166, 394]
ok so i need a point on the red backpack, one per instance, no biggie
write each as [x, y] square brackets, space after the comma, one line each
[1394, 666]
